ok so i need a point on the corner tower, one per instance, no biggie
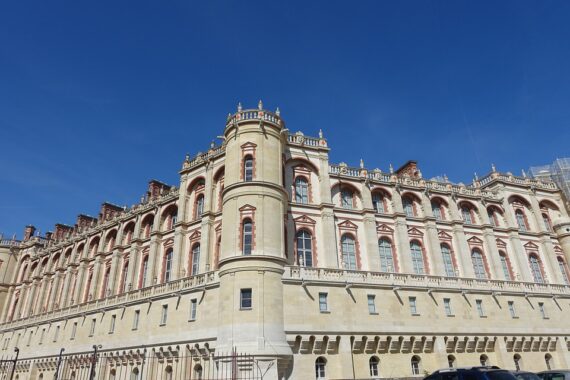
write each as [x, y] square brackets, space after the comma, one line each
[252, 256]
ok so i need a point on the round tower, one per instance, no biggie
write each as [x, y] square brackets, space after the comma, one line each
[561, 227]
[252, 256]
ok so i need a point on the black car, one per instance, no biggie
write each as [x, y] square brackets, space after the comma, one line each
[525, 375]
[561, 374]
[472, 373]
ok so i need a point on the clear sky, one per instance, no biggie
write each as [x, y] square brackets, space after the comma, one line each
[98, 97]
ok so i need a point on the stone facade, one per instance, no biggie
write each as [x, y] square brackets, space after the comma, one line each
[313, 268]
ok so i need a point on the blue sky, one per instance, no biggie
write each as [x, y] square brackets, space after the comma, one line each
[98, 97]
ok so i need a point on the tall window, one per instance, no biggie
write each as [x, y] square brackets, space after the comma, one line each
[195, 267]
[447, 307]
[548, 361]
[437, 210]
[466, 214]
[371, 303]
[246, 297]
[373, 365]
[386, 256]
[193, 309]
[547, 223]
[168, 265]
[447, 260]
[505, 266]
[199, 206]
[304, 249]
[301, 190]
[136, 318]
[164, 315]
[247, 237]
[348, 252]
[346, 198]
[542, 310]
[378, 202]
[413, 305]
[478, 264]
[521, 222]
[105, 285]
[323, 302]
[492, 217]
[173, 218]
[408, 205]
[417, 258]
[535, 269]
[480, 310]
[248, 168]
[451, 361]
[124, 274]
[512, 309]
[517, 360]
[415, 362]
[144, 270]
[563, 271]
[320, 366]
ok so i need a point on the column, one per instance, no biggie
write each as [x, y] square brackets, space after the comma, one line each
[401, 235]
[461, 248]
[432, 239]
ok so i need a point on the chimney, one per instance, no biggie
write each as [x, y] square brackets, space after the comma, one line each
[49, 234]
[29, 232]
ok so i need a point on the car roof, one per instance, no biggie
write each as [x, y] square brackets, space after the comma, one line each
[555, 371]
[471, 368]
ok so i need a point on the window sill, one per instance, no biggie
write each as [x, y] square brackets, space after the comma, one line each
[482, 316]
[245, 308]
[515, 317]
[450, 315]
[192, 320]
[545, 317]
[416, 314]
[134, 329]
[374, 313]
[162, 324]
[325, 311]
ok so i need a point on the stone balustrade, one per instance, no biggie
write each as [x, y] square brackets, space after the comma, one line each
[403, 280]
[254, 114]
[182, 285]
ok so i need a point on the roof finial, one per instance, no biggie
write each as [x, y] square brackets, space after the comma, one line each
[445, 179]
[212, 144]
[260, 105]
[278, 112]
[361, 163]
[476, 176]
[239, 107]
[523, 173]
[320, 133]
[493, 168]
[391, 169]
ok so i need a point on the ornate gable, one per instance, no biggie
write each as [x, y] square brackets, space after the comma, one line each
[444, 235]
[196, 235]
[304, 219]
[531, 245]
[384, 228]
[500, 243]
[347, 225]
[475, 240]
[414, 232]
[247, 207]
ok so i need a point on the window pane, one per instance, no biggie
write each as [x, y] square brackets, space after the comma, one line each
[386, 257]
[447, 261]
[478, 265]
[304, 249]
[348, 252]
[417, 258]
[301, 190]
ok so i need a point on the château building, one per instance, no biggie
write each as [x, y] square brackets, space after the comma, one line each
[268, 261]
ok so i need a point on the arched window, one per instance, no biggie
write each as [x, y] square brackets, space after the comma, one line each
[478, 264]
[199, 208]
[304, 249]
[415, 362]
[373, 364]
[563, 270]
[320, 368]
[135, 374]
[451, 361]
[417, 258]
[437, 209]
[347, 198]
[172, 219]
[521, 220]
[535, 269]
[112, 374]
[248, 168]
[505, 266]
[301, 190]
[86, 294]
[143, 271]
[466, 214]
[547, 223]
[348, 252]
[247, 237]
[517, 361]
[105, 285]
[195, 267]
[386, 255]
[447, 260]
[198, 372]
[378, 202]
[168, 265]
[484, 360]
[548, 361]
[408, 205]
[493, 217]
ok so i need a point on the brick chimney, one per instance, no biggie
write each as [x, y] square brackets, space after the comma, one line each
[29, 232]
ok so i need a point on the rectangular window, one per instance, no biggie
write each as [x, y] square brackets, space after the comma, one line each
[413, 305]
[17, 340]
[372, 304]
[30, 338]
[323, 302]
[164, 315]
[56, 334]
[447, 307]
[112, 324]
[512, 310]
[136, 319]
[193, 309]
[245, 299]
[73, 330]
[480, 310]
[92, 329]
[542, 310]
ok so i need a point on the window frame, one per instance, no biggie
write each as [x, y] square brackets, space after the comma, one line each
[246, 299]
